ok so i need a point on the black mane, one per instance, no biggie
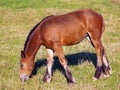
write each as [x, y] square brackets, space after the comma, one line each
[33, 29]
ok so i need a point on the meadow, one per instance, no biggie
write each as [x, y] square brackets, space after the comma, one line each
[18, 17]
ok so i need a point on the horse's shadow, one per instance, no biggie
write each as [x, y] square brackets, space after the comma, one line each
[73, 59]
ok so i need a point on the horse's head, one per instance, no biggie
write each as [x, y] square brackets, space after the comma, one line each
[26, 66]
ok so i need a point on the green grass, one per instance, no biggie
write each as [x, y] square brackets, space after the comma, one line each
[17, 17]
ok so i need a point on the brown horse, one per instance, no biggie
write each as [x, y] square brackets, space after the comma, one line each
[56, 31]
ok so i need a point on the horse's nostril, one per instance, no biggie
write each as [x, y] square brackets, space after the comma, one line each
[23, 77]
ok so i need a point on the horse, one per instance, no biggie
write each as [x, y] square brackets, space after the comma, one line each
[56, 31]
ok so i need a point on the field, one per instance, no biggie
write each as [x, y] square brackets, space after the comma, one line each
[17, 17]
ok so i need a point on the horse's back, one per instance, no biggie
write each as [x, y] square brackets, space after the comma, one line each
[70, 28]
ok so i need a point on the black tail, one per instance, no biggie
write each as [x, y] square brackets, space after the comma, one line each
[89, 39]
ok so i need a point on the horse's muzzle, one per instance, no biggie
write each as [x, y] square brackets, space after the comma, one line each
[24, 77]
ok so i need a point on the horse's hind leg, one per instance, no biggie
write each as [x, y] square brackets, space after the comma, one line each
[102, 62]
[50, 60]
[58, 50]
[106, 67]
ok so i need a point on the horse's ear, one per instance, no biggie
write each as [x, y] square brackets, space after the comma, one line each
[22, 54]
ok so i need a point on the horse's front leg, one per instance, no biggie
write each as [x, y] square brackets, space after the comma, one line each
[50, 60]
[58, 50]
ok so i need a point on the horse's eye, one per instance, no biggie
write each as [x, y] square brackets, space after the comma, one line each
[21, 65]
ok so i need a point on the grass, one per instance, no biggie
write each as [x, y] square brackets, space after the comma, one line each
[17, 17]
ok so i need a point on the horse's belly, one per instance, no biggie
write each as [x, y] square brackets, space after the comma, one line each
[72, 39]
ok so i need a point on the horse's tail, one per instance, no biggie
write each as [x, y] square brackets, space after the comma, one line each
[89, 39]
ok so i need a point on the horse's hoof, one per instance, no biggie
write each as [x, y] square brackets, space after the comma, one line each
[71, 81]
[98, 73]
[47, 79]
[94, 78]
[105, 76]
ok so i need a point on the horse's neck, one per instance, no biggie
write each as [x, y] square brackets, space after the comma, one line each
[32, 44]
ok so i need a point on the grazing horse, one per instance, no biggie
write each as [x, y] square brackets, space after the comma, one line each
[56, 31]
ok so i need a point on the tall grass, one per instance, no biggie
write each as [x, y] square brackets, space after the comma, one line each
[17, 17]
